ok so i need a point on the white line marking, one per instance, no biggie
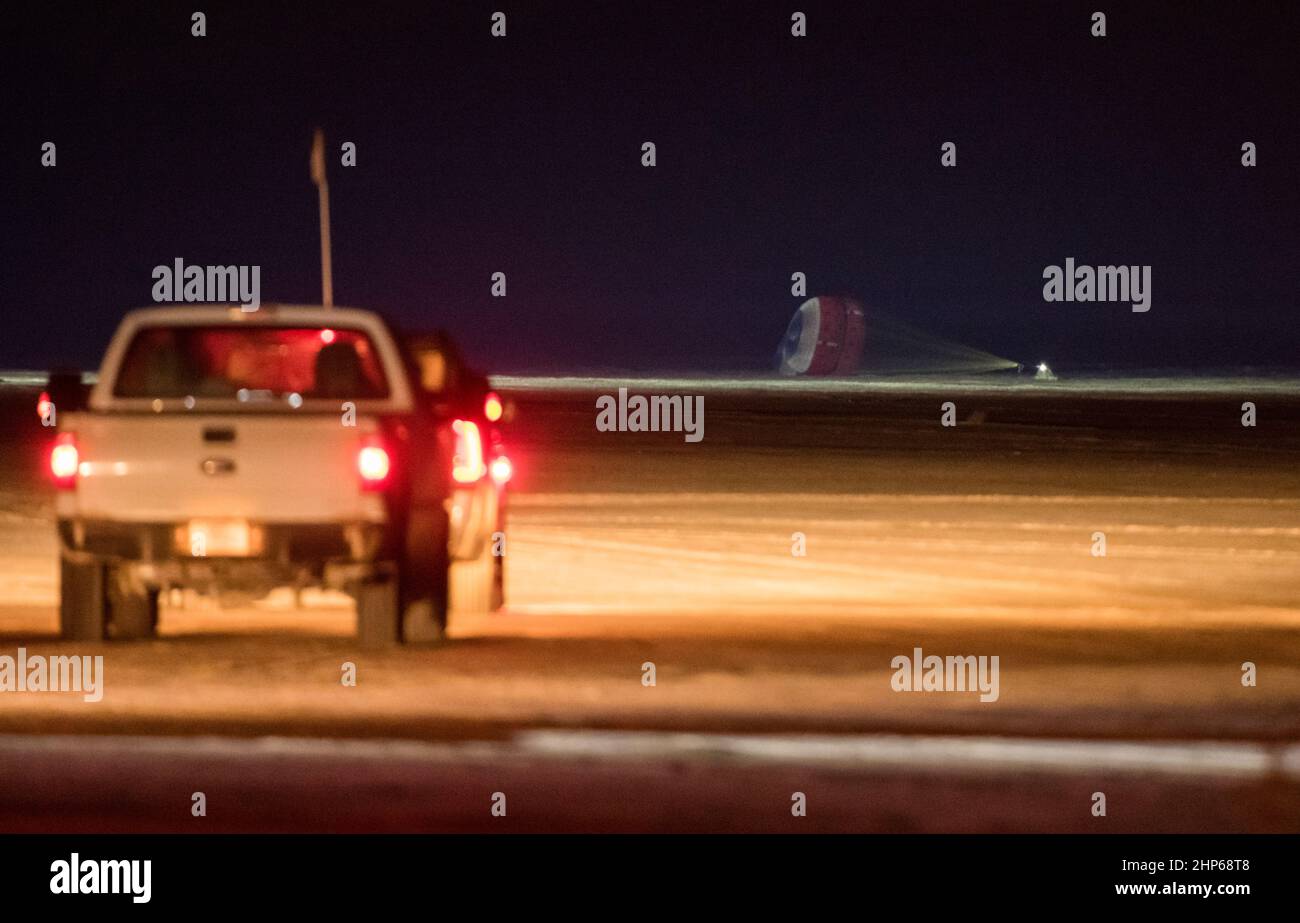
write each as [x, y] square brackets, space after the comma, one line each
[889, 752]
[955, 754]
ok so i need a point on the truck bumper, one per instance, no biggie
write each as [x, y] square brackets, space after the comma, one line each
[281, 543]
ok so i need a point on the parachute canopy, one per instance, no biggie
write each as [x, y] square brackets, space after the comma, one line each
[828, 335]
[825, 337]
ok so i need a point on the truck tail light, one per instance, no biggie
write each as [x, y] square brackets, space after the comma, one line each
[373, 465]
[467, 464]
[64, 461]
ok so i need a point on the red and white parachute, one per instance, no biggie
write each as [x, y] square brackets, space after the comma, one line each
[826, 336]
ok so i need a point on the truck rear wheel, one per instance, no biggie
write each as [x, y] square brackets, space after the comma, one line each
[83, 607]
[423, 576]
[409, 604]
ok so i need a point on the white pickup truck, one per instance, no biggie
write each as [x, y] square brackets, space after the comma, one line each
[233, 452]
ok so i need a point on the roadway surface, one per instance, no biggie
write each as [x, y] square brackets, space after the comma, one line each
[1118, 674]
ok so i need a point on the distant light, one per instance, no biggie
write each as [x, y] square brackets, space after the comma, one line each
[492, 407]
[189, 402]
[327, 336]
[1042, 366]
[295, 400]
[243, 394]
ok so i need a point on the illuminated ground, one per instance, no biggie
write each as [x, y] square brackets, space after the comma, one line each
[1022, 384]
[632, 548]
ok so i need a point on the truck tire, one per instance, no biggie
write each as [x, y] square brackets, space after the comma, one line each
[409, 604]
[82, 603]
[132, 611]
[424, 575]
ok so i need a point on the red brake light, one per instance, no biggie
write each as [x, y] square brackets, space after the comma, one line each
[492, 407]
[44, 405]
[467, 464]
[373, 466]
[65, 460]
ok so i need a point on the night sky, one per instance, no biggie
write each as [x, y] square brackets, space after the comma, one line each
[775, 154]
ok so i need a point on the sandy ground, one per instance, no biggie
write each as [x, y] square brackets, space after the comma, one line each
[627, 549]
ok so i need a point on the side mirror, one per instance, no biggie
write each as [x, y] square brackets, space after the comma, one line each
[66, 391]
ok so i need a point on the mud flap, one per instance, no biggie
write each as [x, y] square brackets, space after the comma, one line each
[132, 610]
[378, 624]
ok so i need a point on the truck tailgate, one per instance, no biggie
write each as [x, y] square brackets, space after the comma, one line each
[266, 467]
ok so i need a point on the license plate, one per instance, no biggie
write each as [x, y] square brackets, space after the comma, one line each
[220, 538]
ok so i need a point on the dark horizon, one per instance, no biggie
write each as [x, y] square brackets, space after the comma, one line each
[775, 154]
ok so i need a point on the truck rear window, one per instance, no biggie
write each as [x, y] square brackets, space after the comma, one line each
[246, 362]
